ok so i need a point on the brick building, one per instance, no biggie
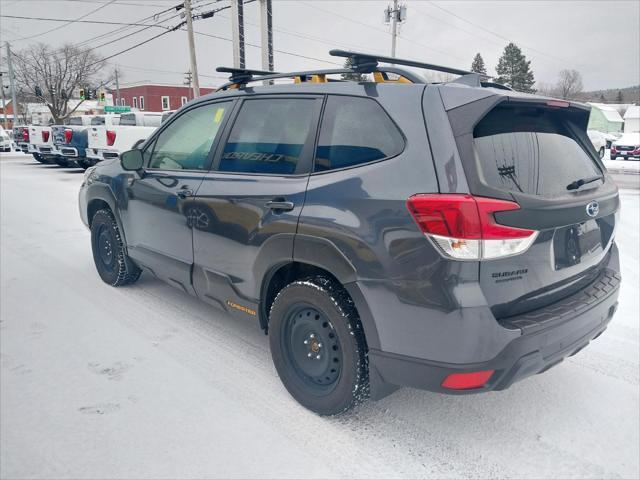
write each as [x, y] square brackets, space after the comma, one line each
[156, 98]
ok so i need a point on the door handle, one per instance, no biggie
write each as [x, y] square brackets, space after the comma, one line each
[184, 193]
[280, 205]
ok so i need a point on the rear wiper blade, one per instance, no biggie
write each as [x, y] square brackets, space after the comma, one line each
[583, 181]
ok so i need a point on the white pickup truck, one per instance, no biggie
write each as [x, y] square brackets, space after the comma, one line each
[41, 143]
[105, 141]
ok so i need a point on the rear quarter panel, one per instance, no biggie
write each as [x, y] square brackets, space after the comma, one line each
[411, 290]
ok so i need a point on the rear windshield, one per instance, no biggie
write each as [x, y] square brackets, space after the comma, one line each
[531, 150]
[97, 121]
[75, 121]
[128, 119]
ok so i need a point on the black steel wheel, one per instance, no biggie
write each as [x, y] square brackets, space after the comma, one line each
[318, 345]
[111, 260]
[312, 347]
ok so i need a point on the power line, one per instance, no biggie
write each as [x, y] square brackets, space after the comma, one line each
[97, 22]
[134, 46]
[125, 28]
[106, 4]
[372, 27]
[481, 27]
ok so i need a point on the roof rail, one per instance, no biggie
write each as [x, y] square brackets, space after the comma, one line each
[368, 62]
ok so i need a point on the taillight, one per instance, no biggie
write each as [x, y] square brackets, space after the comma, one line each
[111, 138]
[467, 381]
[464, 227]
[45, 135]
[68, 135]
[25, 134]
[613, 149]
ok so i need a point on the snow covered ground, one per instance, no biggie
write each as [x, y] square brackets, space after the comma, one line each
[147, 382]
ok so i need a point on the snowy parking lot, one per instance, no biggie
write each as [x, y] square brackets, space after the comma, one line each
[147, 382]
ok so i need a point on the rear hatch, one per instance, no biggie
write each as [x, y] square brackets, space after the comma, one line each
[538, 154]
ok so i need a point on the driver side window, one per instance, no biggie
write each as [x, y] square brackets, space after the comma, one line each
[185, 144]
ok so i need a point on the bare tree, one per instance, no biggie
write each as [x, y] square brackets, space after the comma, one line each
[52, 75]
[569, 84]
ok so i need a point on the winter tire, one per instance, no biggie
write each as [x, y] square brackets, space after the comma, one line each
[61, 162]
[39, 158]
[318, 346]
[84, 164]
[112, 262]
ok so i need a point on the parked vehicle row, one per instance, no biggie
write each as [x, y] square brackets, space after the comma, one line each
[86, 139]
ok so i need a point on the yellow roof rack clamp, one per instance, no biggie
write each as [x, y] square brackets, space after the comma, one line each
[381, 77]
[320, 78]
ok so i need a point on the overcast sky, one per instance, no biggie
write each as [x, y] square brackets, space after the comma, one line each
[601, 39]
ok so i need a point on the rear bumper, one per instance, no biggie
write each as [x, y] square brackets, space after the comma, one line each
[69, 152]
[101, 154]
[625, 155]
[547, 336]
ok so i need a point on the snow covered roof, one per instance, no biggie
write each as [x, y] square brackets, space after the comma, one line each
[609, 112]
[632, 112]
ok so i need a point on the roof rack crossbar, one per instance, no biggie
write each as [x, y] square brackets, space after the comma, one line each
[242, 77]
[368, 62]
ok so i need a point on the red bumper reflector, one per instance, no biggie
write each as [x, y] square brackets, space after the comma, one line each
[467, 381]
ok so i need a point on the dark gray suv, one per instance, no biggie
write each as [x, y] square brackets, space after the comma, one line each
[453, 237]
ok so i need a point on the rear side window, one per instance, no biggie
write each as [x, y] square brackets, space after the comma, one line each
[268, 136]
[128, 119]
[531, 150]
[355, 131]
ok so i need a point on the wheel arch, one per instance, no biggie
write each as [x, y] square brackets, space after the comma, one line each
[99, 197]
[316, 256]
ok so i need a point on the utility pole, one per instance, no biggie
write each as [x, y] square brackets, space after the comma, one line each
[192, 49]
[187, 81]
[395, 14]
[4, 104]
[12, 85]
[237, 32]
[117, 88]
[266, 34]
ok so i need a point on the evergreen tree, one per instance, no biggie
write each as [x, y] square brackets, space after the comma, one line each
[514, 69]
[619, 97]
[602, 99]
[357, 77]
[478, 65]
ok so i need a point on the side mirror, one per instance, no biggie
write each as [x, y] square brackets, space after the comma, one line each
[132, 160]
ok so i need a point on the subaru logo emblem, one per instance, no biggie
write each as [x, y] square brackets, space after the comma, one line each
[593, 208]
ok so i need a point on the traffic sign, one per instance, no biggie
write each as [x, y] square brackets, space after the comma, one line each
[116, 109]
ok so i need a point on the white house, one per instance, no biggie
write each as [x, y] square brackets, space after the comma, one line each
[632, 119]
